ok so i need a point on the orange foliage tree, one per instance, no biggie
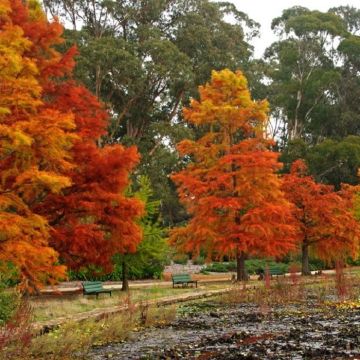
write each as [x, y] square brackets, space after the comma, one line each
[230, 187]
[326, 219]
[35, 144]
[84, 208]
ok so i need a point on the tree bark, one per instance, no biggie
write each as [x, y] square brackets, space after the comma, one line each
[305, 270]
[98, 81]
[125, 281]
[240, 267]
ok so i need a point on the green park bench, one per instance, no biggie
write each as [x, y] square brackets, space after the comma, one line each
[273, 271]
[94, 288]
[182, 279]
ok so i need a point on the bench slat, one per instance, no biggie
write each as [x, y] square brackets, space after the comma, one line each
[94, 287]
[183, 279]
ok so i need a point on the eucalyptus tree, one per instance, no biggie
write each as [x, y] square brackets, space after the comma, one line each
[348, 110]
[145, 59]
[304, 72]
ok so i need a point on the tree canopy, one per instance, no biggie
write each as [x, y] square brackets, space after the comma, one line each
[230, 187]
[326, 218]
[59, 192]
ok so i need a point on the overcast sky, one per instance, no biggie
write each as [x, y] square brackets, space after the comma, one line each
[263, 11]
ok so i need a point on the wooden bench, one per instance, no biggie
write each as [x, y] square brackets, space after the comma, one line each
[273, 271]
[94, 288]
[276, 271]
[183, 280]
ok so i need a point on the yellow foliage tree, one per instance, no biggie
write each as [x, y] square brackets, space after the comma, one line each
[34, 152]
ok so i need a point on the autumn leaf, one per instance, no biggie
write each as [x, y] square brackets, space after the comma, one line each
[231, 189]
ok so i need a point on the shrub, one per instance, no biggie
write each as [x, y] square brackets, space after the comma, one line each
[9, 274]
[200, 260]
[9, 301]
[220, 267]
[181, 259]
[316, 264]
[252, 266]
[16, 333]
[9, 298]
[143, 265]
[353, 262]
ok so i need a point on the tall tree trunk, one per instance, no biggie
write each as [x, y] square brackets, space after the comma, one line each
[240, 266]
[305, 270]
[97, 81]
[125, 281]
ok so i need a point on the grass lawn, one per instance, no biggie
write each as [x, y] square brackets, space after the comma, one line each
[52, 307]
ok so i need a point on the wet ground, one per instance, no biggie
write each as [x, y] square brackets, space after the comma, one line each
[211, 330]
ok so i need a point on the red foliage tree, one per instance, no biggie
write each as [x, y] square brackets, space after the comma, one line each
[93, 219]
[230, 188]
[89, 215]
[326, 218]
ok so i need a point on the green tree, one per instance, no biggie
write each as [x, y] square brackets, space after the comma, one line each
[143, 60]
[331, 162]
[152, 253]
[303, 72]
[348, 106]
[336, 162]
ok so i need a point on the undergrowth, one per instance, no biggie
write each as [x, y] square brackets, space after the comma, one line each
[74, 340]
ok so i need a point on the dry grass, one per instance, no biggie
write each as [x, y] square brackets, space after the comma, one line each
[342, 286]
[46, 308]
[74, 340]
[16, 334]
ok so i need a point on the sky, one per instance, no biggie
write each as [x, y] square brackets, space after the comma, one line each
[263, 11]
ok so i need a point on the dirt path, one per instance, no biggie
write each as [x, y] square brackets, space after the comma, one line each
[75, 286]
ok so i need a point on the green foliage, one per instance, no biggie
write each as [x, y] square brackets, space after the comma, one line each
[304, 73]
[199, 260]
[9, 297]
[220, 267]
[294, 150]
[331, 162]
[354, 262]
[335, 162]
[181, 259]
[9, 302]
[153, 252]
[89, 273]
[253, 265]
[143, 60]
[9, 274]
